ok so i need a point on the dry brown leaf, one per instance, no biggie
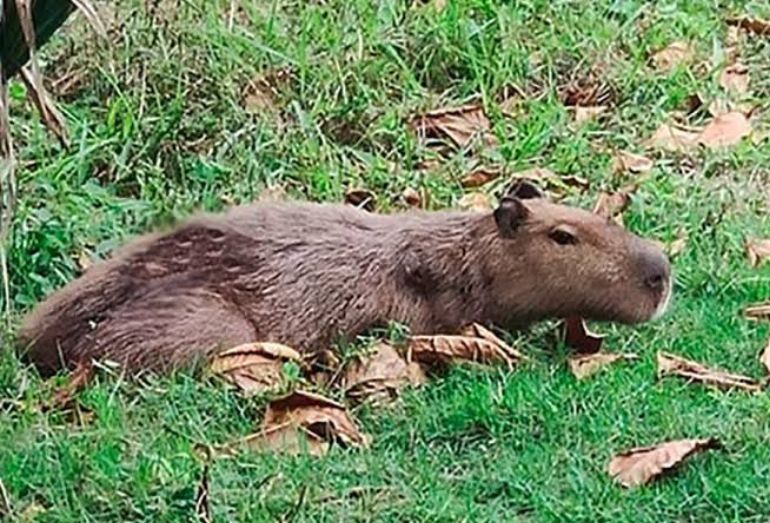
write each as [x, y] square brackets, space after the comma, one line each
[78, 380]
[479, 331]
[51, 115]
[475, 201]
[321, 416]
[380, 375]
[273, 193]
[460, 124]
[361, 198]
[625, 161]
[202, 502]
[254, 367]
[672, 137]
[735, 78]
[669, 364]
[758, 311]
[674, 247]
[412, 197]
[585, 114]
[480, 176]
[641, 465]
[288, 438]
[752, 25]
[669, 58]
[447, 349]
[585, 365]
[612, 204]
[765, 357]
[725, 130]
[261, 94]
[758, 250]
[578, 337]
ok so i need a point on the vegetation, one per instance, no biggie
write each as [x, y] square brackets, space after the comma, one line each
[162, 122]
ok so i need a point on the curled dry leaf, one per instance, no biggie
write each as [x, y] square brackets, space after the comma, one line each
[288, 438]
[480, 176]
[765, 357]
[361, 198]
[446, 349]
[412, 197]
[758, 250]
[669, 364]
[641, 465]
[758, 311]
[671, 137]
[78, 380]
[585, 365]
[752, 25]
[380, 375]
[625, 161]
[735, 78]
[578, 337]
[585, 114]
[254, 367]
[612, 204]
[320, 415]
[460, 124]
[475, 201]
[674, 54]
[479, 331]
[725, 130]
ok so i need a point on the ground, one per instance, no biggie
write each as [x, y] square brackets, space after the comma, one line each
[158, 129]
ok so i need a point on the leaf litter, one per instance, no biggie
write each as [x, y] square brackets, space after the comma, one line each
[670, 57]
[254, 367]
[735, 78]
[577, 336]
[64, 397]
[628, 162]
[672, 365]
[380, 375]
[757, 250]
[585, 365]
[641, 465]
[461, 125]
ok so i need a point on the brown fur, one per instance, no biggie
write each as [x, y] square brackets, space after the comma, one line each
[301, 274]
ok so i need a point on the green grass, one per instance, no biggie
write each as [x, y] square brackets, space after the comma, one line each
[158, 130]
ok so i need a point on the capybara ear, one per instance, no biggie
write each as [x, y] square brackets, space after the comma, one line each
[524, 190]
[509, 215]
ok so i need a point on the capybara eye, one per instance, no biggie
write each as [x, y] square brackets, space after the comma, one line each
[563, 237]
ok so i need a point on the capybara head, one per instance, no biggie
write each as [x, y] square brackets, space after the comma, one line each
[568, 261]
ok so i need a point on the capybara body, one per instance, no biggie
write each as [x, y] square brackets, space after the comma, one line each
[305, 274]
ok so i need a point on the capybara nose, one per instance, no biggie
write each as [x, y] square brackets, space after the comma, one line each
[655, 282]
[653, 265]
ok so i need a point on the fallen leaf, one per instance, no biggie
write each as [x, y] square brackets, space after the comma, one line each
[254, 367]
[577, 336]
[288, 438]
[273, 193]
[361, 198]
[585, 114]
[669, 364]
[202, 503]
[460, 124]
[479, 331]
[752, 25]
[612, 204]
[84, 261]
[641, 465]
[758, 250]
[735, 78]
[480, 176]
[625, 161]
[321, 416]
[411, 197]
[51, 115]
[63, 398]
[765, 357]
[475, 201]
[670, 57]
[585, 365]
[725, 130]
[758, 311]
[672, 137]
[448, 349]
[380, 375]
